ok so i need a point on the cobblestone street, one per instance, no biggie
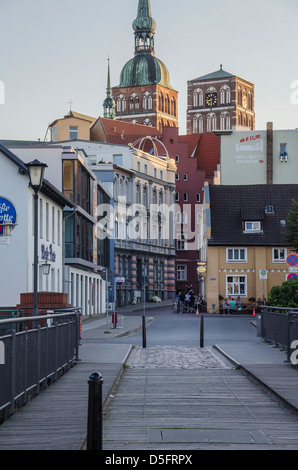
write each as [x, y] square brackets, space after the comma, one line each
[175, 357]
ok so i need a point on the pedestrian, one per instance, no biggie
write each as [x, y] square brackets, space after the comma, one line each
[232, 304]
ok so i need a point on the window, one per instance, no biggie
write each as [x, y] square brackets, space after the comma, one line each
[177, 158]
[41, 218]
[73, 132]
[181, 242]
[185, 197]
[59, 227]
[279, 255]
[139, 166]
[54, 131]
[198, 197]
[236, 285]
[161, 174]
[185, 177]
[145, 169]
[155, 173]
[283, 152]
[47, 221]
[252, 226]
[181, 272]
[238, 255]
[177, 176]
[176, 197]
[53, 225]
[269, 210]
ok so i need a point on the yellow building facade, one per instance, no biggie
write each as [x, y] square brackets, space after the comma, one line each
[245, 258]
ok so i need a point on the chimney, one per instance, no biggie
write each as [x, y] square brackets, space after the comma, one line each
[269, 171]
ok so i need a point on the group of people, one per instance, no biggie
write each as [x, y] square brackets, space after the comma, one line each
[189, 300]
[231, 304]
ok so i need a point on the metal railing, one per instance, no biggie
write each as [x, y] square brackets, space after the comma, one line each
[280, 326]
[35, 354]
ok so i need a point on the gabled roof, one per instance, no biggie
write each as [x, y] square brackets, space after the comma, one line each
[47, 188]
[121, 132]
[73, 114]
[206, 149]
[230, 205]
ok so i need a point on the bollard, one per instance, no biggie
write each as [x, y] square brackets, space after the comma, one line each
[144, 331]
[202, 332]
[94, 426]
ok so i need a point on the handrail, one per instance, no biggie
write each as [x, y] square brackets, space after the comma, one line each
[39, 317]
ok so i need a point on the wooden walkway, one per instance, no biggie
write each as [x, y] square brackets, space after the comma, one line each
[166, 409]
[57, 418]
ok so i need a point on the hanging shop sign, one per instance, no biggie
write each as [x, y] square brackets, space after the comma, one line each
[8, 214]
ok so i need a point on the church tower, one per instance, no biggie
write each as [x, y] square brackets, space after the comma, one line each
[109, 103]
[144, 95]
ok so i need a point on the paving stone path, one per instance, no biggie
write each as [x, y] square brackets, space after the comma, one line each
[175, 357]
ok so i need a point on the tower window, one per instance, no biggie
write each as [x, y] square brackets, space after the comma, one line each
[73, 132]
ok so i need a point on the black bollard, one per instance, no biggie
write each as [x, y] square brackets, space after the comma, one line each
[94, 427]
[202, 332]
[144, 331]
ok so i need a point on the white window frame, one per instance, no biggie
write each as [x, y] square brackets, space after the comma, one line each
[73, 132]
[181, 268]
[181, 242]
[234, 283]
[185, 177]
[256, 227]
[234, 258]
[279, 259]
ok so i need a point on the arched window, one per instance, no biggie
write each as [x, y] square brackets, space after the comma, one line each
[167, 104]
[250, 100]
[120, 104]
[225, 95]
[198, 124]
[161, 102]
[134, 102]
[239, 95]
[150, 103]
[198, 98]
[225, 121]
[211, 122]
[173, 107]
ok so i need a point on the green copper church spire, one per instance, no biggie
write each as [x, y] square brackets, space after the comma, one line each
[109, 103]
[144, 27]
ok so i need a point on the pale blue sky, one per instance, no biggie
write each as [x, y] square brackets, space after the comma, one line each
[55, 51]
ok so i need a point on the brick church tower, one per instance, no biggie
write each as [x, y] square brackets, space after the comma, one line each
[144, 95]
[220, 101]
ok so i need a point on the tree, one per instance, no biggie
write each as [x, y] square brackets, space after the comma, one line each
[292, 226]
[285, 295]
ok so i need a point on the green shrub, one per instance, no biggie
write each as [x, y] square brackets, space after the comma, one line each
[285, 295]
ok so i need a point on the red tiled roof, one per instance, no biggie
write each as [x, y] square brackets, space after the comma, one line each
[121, 132]
[207, 151]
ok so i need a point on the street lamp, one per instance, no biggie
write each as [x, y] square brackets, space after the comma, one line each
[36, 171]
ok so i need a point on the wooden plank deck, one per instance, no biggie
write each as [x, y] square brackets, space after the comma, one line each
[164, 409]
[57, 418]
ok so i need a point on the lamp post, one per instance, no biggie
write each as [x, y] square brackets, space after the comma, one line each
[36, 174]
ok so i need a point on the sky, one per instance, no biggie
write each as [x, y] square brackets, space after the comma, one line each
[55, 52]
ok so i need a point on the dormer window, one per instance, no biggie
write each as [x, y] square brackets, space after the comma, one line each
[252, 226]
[269, 210]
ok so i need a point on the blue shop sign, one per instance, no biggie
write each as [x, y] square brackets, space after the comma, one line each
[8, 213]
